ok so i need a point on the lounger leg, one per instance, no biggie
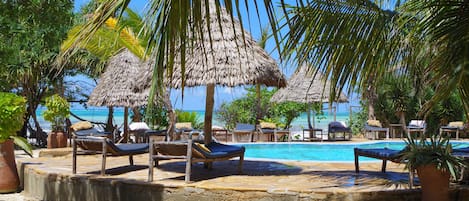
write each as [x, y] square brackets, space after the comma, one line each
[131, 159]
[74, 156]
[150, 160]
[357, 168]
[240, 165]
[103, 162]
[383, 167]
[187, 178]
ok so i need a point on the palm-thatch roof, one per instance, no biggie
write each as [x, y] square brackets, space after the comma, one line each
[306, 86]
[115, 84]
[228, 57]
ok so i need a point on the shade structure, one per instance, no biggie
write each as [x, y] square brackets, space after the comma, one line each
[115, 85]
[230, 57]
[307, 86]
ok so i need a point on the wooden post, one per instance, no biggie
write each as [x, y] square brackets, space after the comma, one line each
[208, 113]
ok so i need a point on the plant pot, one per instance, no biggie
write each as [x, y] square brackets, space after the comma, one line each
[52, 140]
[61, 139]
[9, 181]
[434, 182]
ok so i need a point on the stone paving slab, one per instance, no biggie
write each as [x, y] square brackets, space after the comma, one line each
[297, 180]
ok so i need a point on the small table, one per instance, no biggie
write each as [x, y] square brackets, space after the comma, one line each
[312, 131]
[393, 128]
[218, 130]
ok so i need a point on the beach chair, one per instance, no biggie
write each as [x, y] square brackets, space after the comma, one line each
[243, 132]
[384, 154]
[192, 152]
[416, 126]
[85, 128]
[183, 129]
[137, 130]
[105, 147]
[337, 127]
[270, 131]
[373, 128]
[455, 126]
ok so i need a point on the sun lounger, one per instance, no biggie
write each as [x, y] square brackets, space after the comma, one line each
[384, 154]
[416, 126]
[192, 152]
[105, 147]
[455, 126]
[272, 133]
[374, 127]
[339, 127]
[243, 131]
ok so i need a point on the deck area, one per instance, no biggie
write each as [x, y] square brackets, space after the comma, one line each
[50, 177]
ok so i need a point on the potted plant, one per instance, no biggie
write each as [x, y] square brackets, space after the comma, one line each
[434, 162]
[12, 110]
[58, 109]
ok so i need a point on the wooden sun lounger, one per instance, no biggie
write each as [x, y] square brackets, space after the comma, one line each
[192, 152]
[104, 146]
[379, 153]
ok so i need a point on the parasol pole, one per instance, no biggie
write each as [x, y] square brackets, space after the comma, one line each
[308, 114]
[208, 113]
[258, 105]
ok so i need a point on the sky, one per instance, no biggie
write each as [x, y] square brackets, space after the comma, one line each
[194, 97]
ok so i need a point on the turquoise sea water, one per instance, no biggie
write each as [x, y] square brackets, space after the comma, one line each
[100, 115]
[319, 151]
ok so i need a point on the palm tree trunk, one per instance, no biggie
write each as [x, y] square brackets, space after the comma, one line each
[171, 117]
[208, 113]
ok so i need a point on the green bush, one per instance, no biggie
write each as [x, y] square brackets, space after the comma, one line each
[12, 111]
[184, 116]
[58, 109]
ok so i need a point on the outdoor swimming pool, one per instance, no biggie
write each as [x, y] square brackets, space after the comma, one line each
[331, 152]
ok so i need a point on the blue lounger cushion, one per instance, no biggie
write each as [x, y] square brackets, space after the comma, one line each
[91, 132]
[218, 150]
[245, 127]
[381, 152]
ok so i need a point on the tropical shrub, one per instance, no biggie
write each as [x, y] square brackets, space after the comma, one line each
[185, 116]
[12, 112]
[58, 109]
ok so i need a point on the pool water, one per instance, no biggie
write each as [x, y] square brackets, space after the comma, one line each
[319, 151]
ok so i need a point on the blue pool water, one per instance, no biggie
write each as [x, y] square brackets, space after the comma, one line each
[319, 151]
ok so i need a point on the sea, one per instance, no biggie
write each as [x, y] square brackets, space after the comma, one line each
[99, 114]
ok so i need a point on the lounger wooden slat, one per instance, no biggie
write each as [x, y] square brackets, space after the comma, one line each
[192, 153]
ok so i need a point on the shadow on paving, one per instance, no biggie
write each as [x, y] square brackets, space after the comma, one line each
[228, 168]
[120, 170]
[364, 178]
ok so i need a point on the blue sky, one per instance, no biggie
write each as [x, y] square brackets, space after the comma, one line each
[194, 98]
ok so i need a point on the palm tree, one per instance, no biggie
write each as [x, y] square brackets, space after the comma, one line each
[355, 40]
[351, 41]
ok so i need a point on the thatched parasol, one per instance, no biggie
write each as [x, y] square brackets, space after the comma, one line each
[232, 58]
[115, 85]
[307, 86]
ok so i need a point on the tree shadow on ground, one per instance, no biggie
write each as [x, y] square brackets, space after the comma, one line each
[228, 168]
[120, 170]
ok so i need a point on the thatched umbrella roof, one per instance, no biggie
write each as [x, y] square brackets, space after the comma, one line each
[115, 84]
[228, 57]
[300, 88]
[307, 86]
[232, 59]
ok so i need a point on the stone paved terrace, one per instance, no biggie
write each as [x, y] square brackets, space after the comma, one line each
[50, 177]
